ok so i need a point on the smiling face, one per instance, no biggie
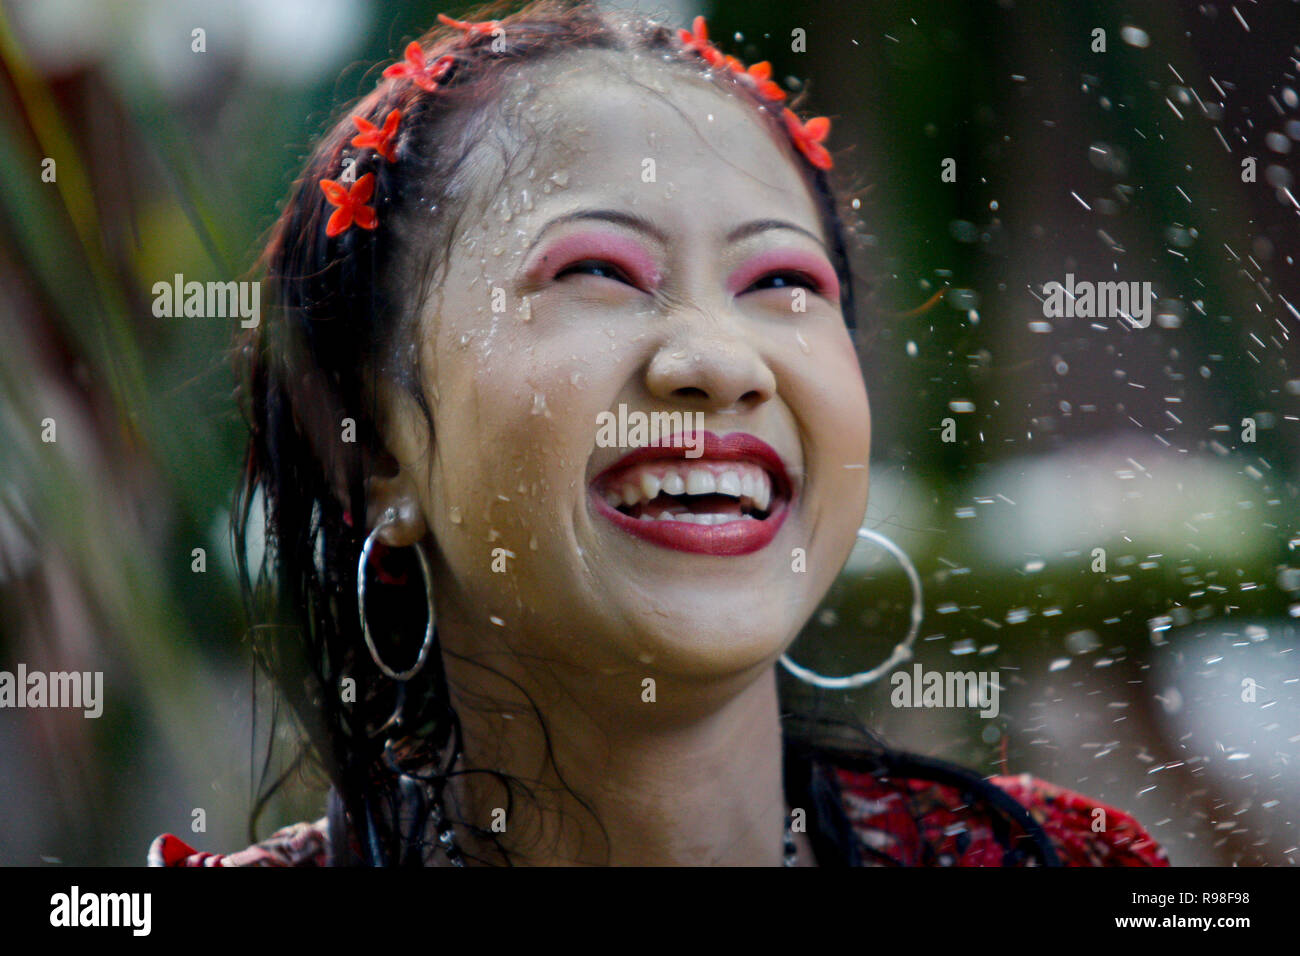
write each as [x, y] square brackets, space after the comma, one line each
[650, 248]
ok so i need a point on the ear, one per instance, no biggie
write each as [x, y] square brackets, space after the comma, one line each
[392, 488]
[391, 500]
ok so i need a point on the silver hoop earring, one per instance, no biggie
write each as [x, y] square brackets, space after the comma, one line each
[389, 517]
[902, 652]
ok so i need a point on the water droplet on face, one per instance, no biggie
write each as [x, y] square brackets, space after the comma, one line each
[560, 177]
[911, 349]
[532, 543]
[803, 344]
[576, 380]
[539, 405]
[453, 514]
[526, 309]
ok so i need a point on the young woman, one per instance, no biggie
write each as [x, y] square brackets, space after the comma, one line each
[515, 638]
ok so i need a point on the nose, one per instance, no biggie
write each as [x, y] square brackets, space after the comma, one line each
[710, 366]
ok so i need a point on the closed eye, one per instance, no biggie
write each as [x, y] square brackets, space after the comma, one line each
[596, 267]
[785, 279]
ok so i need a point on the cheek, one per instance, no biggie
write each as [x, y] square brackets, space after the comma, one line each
[514, 430]
[828, 396]
[835, 393]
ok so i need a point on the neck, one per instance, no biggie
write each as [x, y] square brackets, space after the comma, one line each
[625, 781]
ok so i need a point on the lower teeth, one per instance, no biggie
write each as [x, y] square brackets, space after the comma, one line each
[700, 519]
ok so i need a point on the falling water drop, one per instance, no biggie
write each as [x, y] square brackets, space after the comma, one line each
[1135, 36]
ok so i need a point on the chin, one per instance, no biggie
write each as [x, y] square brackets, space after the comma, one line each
[702, 636]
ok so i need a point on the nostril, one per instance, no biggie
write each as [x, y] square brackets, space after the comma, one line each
[690, 392]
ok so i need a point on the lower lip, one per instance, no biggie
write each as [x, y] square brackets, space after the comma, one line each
[727, 540]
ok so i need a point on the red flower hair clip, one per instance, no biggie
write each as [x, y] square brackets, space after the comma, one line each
[482, 28]
[380, 140]
[808, 137]
[759, 76]
[415, 68]
[696, 39]
[351, 204]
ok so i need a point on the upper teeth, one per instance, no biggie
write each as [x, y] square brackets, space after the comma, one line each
[735, 479]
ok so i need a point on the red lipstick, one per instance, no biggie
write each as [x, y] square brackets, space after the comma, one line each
[731, 537]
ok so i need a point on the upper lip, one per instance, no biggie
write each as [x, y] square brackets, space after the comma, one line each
[736, 446]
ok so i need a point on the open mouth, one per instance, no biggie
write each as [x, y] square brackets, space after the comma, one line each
[731, 500]
[708, 493]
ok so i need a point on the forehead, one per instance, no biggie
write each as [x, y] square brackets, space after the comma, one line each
[650, 133]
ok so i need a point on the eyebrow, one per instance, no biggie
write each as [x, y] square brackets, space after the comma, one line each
[643, 225]
[745, 230]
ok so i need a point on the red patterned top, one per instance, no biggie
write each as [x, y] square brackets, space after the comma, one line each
[898, 821]
[302, 844]
[919, 822]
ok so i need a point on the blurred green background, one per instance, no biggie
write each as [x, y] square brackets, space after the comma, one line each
[1071, 434]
